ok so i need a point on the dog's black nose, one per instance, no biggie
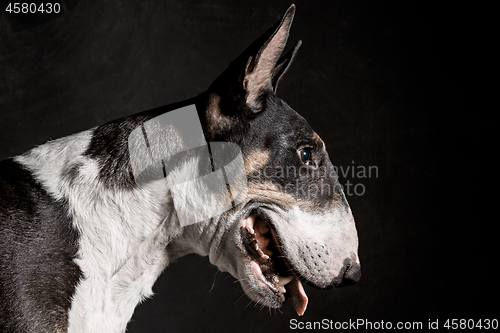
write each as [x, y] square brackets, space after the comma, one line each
[352, 275]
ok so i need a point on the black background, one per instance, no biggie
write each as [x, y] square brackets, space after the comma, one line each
[393, 84]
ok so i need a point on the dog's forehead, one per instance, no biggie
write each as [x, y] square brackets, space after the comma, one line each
[280, 125]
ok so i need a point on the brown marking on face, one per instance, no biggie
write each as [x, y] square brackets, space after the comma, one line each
[318, 140]
[268, 192]
[262, 188]
[256, 160]
[216, 121]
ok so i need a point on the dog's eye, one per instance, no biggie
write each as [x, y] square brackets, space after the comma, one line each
[306, 155]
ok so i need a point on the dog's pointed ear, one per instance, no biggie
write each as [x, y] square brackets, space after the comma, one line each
[256, 71]
[283, 65]
[258, 75]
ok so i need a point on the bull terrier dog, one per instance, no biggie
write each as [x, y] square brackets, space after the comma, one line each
[89, 221]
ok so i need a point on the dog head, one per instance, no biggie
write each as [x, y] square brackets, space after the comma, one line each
[295, 224]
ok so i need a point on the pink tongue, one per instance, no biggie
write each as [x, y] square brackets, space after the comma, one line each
[297, 295]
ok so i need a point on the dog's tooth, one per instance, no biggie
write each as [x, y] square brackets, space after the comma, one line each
[250, 229]
[262, 254]
[282, 289]
[284, 280]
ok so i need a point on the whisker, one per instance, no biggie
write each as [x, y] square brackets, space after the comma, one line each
[240, 298]
[213, 283]
[248, 304]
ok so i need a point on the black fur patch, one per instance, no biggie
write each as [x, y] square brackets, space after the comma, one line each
[37, 246]
[109, 145]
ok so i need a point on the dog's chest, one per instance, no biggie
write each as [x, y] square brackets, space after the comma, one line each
[121, 257]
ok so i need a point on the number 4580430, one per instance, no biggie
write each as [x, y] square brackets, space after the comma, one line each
[25, 8]
[486, 324]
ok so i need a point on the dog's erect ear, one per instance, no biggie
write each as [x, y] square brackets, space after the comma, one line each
[257, 70]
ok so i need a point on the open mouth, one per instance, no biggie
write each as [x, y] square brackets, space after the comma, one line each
[270, 265]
